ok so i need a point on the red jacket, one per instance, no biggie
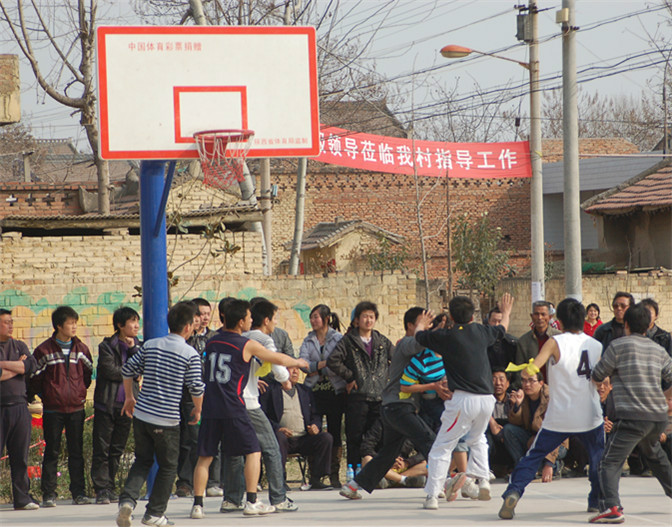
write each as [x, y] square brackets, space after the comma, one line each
[62, 387]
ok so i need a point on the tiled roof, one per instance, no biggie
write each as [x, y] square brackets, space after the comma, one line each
[327, 233]
[648, 191]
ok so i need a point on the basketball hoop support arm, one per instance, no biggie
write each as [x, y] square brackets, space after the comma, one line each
[153, 249]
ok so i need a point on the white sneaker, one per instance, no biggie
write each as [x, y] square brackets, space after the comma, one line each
[470, 489]
[228, 506]
[431, 503]
[492, 476]
[214, 492]
[350, 492]
[453, 485]
[257, 508]
[483, 489]
[197, 512]
[286, 506]
[442, 495]
[125, 514]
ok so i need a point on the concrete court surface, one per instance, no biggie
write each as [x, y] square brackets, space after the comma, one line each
[560, 503]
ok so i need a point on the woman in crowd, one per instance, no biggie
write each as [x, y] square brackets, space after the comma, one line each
[328, 388]
[592, 319]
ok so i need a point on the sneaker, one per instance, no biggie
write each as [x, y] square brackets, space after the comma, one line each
[484, 490]
[453, 485]
[183, 491]
[103, 498]
[592, 509]
[257, 508]
[442, 495]
[125, 514]
[114, 498]
[197, 512]
[611, 515]
[214, 492]
[286, 506]
[49, 502]
[30, 506]
[349, 491]
[431, 503]
[81, 500]
[509, 506]
[156, 520]
[335, 481]
[491, 475]
[383, 484]
[416, 482]
[470, 489]
[229, 506]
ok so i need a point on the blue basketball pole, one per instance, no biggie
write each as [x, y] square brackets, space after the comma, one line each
[153, 249]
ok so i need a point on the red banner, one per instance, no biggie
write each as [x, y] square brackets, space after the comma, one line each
[393, 155]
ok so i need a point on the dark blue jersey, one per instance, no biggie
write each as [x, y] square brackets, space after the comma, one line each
[226, 374]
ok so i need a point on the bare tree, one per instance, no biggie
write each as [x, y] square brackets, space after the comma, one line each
[68, 29]
[639, 120]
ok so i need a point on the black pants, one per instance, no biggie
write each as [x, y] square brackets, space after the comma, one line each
[186, 462]
[332, 406]
[400, 421]
[53, 424]
[164, 443]
[624, 437]
[316, 447]
[15, 424]
[110, 433]
[360, 415]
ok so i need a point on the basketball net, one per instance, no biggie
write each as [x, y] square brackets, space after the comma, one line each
[222, 154]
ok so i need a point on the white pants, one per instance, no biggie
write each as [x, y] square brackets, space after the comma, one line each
[465, 415]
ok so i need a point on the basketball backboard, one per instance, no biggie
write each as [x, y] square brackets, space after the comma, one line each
[157, 86]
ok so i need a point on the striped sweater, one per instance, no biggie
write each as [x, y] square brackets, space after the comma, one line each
[166, 364]
[424, 368]
[636, 366]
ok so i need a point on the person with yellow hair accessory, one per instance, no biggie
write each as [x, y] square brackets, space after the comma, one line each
[573, 408]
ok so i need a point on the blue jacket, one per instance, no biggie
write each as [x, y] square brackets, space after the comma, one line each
[273, 406]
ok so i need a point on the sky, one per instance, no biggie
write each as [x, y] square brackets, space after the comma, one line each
[401, 39]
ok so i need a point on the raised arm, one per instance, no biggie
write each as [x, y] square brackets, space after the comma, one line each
[506, 306]
[253, 348]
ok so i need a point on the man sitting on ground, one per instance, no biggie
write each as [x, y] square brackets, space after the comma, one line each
[297, 425]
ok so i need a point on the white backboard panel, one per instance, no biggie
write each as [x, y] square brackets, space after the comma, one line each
[158, 85]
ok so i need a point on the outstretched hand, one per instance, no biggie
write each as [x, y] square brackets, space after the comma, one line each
[506, 303]
[424, 320]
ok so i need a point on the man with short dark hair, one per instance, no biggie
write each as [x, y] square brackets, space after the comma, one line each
[656, 334]
[166, 365]
[636, 366]
[530, 343]
[110, 426]
[467, 413]
[615, 328]
[498, 456]
[573, 408]
[16, 364]
[62, 377]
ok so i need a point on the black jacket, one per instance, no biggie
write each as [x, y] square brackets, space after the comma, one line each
[608, 332]
[351, 362]
[108, 372]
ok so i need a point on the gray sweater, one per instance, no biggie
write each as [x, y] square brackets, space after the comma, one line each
[636, 366]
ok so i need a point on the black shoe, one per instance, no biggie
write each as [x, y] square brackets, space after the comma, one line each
[183, 491]
[103, 498]
[318, 485]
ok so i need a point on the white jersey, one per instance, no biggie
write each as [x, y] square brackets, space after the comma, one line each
[251, 391]
[574, 404]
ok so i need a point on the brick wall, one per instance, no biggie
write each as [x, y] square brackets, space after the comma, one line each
[599, 289]
[39, 199]
[388, 201]
[97, 274]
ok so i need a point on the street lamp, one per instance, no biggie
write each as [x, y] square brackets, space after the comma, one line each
[536, 190]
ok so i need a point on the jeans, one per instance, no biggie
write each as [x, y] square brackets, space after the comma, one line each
[150, 441]
[270, 452]
[400, 421]
[515, 441]
[186, 461]
[110, 433]
[15, 423]
[545, 442]
[624, 437]
[360, 415]
[52, 425]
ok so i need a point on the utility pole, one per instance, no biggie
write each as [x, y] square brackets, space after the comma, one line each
[570, 134]
[298, 220]
[537, 188]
